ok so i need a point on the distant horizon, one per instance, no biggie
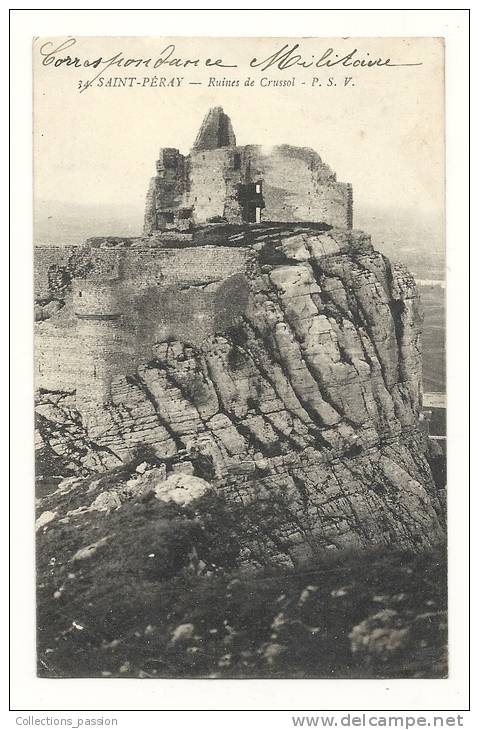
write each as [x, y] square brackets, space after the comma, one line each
[110, 219]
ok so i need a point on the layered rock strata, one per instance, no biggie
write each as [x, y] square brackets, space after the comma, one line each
[309, 403]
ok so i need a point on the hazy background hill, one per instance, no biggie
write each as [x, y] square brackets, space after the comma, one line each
[410, 236]
[62, 223]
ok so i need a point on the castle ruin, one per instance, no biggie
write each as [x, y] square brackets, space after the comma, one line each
[116, 297]
[221, 182]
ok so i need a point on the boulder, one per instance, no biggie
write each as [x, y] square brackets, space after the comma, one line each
[380, 635]
[183, 632]
[141, 468]
[182, 489]
[89, 551]
[66, 485]
[44, 519]
[105, 502]
[143, 483]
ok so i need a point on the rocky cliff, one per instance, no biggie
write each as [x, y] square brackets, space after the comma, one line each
[306, 409]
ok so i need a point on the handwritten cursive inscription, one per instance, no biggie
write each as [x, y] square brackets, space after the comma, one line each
[52, 57]
[286, 57]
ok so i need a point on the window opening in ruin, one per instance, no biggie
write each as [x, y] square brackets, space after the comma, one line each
[237, 162]
[251, 200]
[79, 293]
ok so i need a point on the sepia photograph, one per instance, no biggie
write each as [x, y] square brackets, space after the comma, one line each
[239, 358]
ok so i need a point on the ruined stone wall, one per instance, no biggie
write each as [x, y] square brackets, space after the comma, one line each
[211, 183]
[109, 349]
[145, 265]
[150, 222]
[56, 358]
[167, 190]
[296, 185]
[333, 203]
[85, 360]
[47, 259]
[109, 326]
[187, 266]
[92, 297]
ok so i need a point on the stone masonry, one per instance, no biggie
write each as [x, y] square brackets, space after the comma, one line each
[222, 182]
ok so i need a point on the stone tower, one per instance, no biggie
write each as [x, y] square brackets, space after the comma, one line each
[215, 131]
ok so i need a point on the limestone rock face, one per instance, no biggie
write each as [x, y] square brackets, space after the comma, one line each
[308, 405]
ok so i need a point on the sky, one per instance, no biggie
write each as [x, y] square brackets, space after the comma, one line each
[383, 131]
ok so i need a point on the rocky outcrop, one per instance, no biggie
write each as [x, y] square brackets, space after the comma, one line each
[307, 408]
